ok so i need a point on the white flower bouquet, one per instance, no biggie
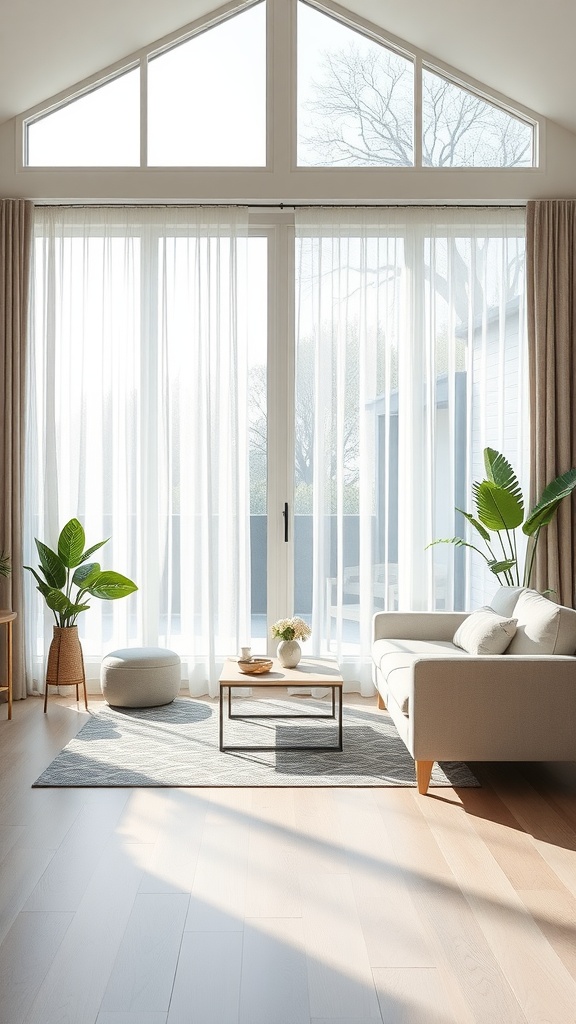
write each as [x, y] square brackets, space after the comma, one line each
[291, 629]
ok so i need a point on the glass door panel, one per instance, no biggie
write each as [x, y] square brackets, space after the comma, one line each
[256, 320]
[346, 436]
[409, 341]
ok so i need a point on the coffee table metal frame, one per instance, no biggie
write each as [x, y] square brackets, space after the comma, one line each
[335, 685]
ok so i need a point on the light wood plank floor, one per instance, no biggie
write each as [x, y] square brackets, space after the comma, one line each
[287, 906]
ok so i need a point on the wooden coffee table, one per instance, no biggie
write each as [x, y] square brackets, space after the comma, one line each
[312, 672]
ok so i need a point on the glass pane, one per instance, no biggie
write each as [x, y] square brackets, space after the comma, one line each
[182, 261]
[91, 348]
[459, 129]
[255, 299]
[395, 403]
[355, 97]
[479, 390]
[207, 97]
[98, 129]
[143, 431]
[346, 458]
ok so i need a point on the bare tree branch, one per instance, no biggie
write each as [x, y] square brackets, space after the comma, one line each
[363, 111]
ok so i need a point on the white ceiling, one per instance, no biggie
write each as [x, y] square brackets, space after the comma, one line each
[522, 48]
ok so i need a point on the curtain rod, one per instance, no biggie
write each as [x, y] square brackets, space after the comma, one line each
[284, 206]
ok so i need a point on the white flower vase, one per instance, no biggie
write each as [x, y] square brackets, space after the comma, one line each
[289, 653]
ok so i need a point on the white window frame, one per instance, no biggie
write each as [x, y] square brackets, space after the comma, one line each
[281, 97]
[141, 59]
[421, 60]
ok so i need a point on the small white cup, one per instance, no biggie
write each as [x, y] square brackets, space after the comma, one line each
[245, 653]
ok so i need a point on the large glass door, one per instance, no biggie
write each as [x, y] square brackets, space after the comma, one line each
[409, 362]
[279, 412]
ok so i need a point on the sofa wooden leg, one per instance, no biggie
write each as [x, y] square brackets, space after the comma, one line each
[381, 703]
[423, 773]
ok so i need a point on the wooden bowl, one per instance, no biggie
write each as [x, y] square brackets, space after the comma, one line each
[256, 666]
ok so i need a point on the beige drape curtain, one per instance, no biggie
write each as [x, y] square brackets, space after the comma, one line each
[551, 296]
[15, 248]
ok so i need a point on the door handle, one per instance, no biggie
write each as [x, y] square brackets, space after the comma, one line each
[285, 514]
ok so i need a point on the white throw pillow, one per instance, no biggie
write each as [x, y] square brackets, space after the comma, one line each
[485, 632]
[504, 600]
[543, 626]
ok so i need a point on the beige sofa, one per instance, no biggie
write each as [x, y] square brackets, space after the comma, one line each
[451, 699]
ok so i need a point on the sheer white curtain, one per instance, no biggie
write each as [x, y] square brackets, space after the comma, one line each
[410, 360]
[138, 424]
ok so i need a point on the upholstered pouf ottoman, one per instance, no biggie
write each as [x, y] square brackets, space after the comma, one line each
[140, 677]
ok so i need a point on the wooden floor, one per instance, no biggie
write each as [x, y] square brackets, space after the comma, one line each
[263, 906]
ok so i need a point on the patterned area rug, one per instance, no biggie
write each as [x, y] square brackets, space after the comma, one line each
[177, 745]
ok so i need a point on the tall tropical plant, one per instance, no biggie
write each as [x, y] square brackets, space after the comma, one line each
[500, 512]
[5, 567]
[66, 578]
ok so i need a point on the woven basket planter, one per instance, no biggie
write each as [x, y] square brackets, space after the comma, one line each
[65, 661]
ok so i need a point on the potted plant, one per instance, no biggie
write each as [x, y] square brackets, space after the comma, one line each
[290, 631]
[66, 579]
[499, 513]
[4, 564]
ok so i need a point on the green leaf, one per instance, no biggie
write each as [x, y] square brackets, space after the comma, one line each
[477, 526]
[498, 509]
[109, 586]
[85, 573]
[51, 565]
[458, 543]
[80, 607]
[42, 585]
[66, 609]
[500, 472]
[545, 510]
[58, 601]
[94, 548]
[71, 543]
[504, 566]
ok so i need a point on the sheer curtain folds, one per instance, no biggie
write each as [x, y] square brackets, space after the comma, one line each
[410, 359]
[139, 423]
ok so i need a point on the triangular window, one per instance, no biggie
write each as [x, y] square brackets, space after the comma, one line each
[362, 101]
[460, 129]
[207, 97]
[355, 97]
[98, 128]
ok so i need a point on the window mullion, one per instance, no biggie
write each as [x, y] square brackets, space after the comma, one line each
[281, 86]
[418, 111]
[144, 112]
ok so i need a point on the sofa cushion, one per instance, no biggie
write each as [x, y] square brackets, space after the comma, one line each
[485, 632]
[504, 600]
[386, 653]
[395, 659]
[543, 627]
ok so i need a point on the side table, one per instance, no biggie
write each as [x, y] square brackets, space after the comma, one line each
[6, 619]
